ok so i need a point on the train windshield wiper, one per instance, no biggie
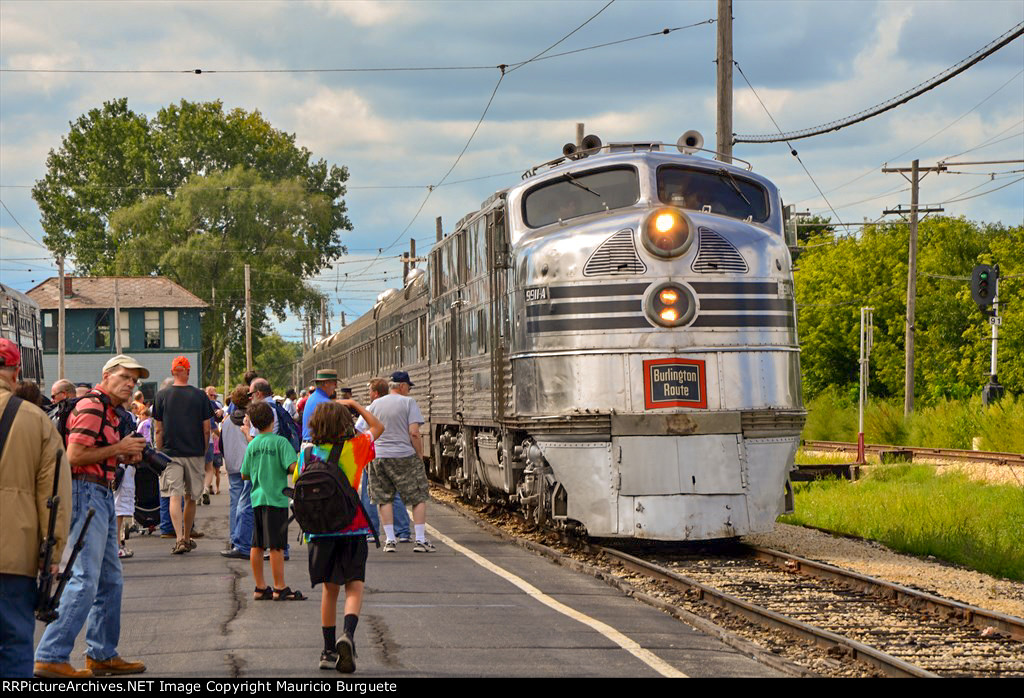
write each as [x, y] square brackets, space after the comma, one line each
[575, 182]
[726, 176]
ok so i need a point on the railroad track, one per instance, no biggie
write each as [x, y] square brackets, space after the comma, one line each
[899, 631]
[919, 451]
[849, 616]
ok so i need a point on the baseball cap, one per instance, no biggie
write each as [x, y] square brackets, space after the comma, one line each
[401, 377]
[10, 355]
[126, 361]
[182, 362]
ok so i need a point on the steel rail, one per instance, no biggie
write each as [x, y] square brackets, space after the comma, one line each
[904, 596]
[892, 666]
[996, 457]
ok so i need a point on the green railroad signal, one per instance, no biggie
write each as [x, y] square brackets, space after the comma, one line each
[983, 285]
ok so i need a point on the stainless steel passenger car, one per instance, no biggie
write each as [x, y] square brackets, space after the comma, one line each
[19, 322]
[611, 344]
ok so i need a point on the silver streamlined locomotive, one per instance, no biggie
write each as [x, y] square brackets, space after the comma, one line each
[611, 344]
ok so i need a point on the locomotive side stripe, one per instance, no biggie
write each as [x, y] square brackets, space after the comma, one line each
[588, 323]
[598, 290]
[632, 646]
[746, 304]
[743, 321]
[736, 288]
[580, 307]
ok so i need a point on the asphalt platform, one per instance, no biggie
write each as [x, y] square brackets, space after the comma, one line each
[446, 614]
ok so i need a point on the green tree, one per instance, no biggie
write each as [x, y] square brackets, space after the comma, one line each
[112, 158]
[952, 339]
[273, 358]
[203, 236]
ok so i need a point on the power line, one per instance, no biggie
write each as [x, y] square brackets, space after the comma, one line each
[792, 150]
[13, 218]
[941, 130]
[990, 191]
[593, 17]
[893, 102]
[986, 143]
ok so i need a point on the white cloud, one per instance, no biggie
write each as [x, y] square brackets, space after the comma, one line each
[365, 13]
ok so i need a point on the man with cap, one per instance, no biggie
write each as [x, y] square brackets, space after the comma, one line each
[326, 380]
[30, 452]
[93, 594]
[398, 466]
[181, 429]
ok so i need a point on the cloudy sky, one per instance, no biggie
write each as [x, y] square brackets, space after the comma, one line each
[810, 62]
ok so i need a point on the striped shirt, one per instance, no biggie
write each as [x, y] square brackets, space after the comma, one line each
[84, 425]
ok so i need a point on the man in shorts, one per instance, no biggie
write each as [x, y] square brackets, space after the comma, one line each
[398, 465]
[181, 423]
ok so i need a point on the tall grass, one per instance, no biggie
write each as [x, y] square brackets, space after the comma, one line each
[947, 424]
[911, 509]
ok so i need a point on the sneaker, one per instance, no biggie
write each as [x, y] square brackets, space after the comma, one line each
[123, 552]
[114, 666]
[206, 497]
[346, 663]
[424, 546]
[390, 546]
[328, 659]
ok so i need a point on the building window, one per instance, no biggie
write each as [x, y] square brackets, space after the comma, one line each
[125, 327]
[103, 329]
[152, 329]
[50, 338]
[171, 328]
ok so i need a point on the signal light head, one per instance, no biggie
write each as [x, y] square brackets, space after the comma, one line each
[667, 232]
[670, 305]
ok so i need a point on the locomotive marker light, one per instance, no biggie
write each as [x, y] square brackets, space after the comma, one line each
[670, 305]
[666, 232]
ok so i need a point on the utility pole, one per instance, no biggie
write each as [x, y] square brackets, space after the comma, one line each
[60, 318]
[412, 253]
[227, 372]
[915, 178]
[724, 82]
[248, 323]
[117, 320]
[323, 318]
[405, 267]
[867, 341]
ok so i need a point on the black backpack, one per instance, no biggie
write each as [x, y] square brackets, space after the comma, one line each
[323, 501]
[286, 426]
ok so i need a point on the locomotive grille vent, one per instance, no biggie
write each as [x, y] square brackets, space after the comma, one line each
[716, 254]
[616, 255]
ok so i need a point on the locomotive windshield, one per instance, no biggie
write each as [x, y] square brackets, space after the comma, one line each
[577, 194]
[717, 191]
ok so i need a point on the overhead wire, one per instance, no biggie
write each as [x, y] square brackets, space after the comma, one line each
[893, 102]
[918, 145]
[792, 150]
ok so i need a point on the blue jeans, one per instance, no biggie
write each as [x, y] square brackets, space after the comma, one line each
[165, 514]
[92, 596]
[241, 513]
[17, 623]
[401, 516]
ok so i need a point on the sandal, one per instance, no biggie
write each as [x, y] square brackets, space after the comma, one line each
[287, 594]
[265, 594]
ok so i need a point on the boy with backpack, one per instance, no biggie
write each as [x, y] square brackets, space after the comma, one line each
[335, 523]
[269, 459]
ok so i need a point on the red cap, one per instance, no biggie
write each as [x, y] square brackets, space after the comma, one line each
[181, 361]
[9, 353]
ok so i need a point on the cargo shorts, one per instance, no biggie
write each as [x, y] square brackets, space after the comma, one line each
[183, 476]
[406, 475]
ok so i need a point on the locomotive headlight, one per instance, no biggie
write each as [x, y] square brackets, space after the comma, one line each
[666, 232]
[670, 305]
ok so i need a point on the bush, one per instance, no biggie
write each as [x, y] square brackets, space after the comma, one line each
[831, 417]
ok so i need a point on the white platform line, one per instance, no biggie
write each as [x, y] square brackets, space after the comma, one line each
[645, 656]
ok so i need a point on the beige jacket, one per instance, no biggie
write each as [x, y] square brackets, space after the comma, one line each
[26, 481]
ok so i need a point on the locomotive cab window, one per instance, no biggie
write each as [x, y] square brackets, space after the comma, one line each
[718, 191]
[574, 194]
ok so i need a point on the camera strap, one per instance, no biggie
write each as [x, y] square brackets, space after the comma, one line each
[7, 420]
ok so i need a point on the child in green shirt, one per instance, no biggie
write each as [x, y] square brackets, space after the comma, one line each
[269, 459]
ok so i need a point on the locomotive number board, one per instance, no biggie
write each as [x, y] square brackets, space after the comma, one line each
[674, 383]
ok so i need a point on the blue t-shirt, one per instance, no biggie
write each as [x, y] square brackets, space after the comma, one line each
[309, 408]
